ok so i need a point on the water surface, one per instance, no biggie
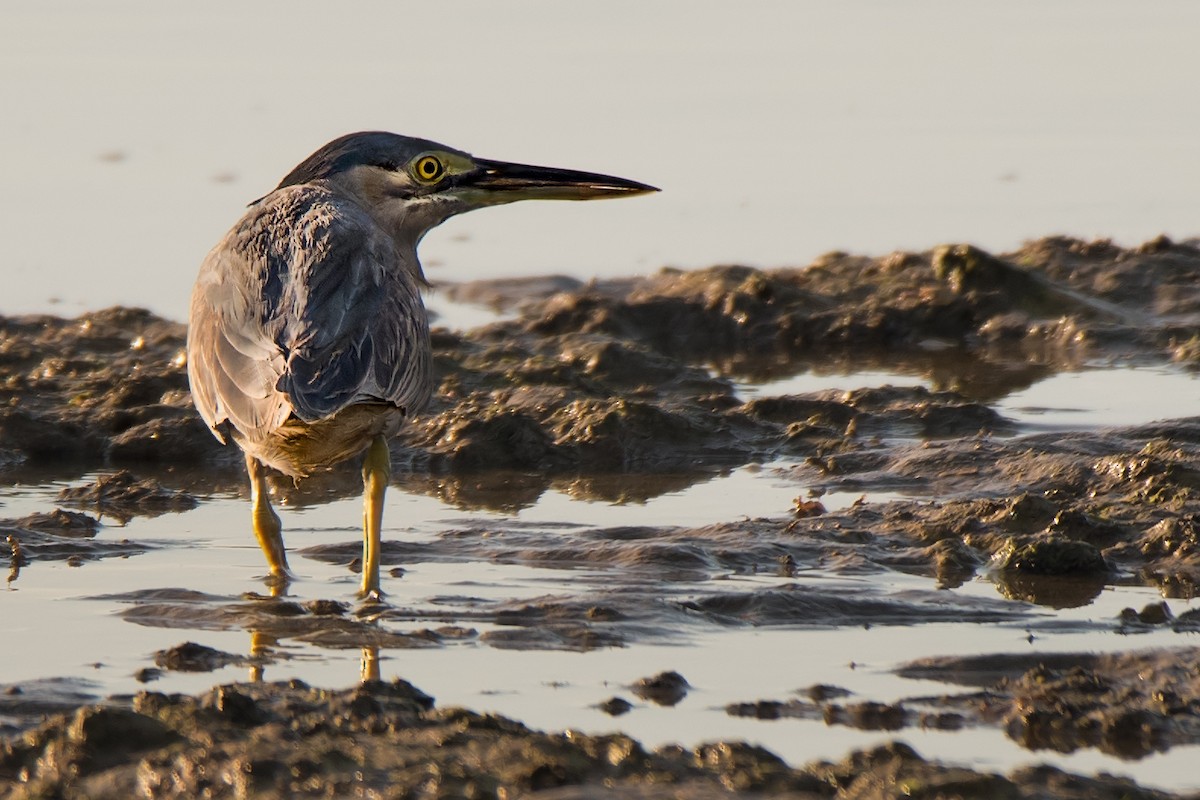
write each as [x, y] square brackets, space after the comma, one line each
[137, 132]
[66, 621]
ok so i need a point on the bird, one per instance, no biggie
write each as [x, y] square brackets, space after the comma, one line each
[308, 340]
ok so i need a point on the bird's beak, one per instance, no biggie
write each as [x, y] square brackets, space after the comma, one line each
[501, 182]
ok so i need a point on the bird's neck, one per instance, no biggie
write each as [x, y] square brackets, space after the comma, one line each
[393, 217]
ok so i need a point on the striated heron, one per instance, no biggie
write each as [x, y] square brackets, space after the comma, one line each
[308, 342]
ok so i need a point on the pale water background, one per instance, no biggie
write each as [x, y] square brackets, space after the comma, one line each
[134, 133]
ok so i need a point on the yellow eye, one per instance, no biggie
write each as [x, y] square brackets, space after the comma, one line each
[428, 169]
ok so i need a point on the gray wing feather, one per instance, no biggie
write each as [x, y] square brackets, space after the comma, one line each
[304, 308]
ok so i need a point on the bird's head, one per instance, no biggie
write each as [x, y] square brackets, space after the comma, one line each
[411, 185]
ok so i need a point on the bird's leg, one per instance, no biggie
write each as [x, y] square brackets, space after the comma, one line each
[260, 653]
[377, 469]
[267, 526]
[369, 665]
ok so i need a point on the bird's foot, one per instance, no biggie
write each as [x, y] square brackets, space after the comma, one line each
[371, 596]
[278, 583]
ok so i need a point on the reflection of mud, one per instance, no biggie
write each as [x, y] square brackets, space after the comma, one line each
[59, 536]
[123, 496]
[1052, 591]
[1075, 506]
[631, 585]
[1058, 518]
[192, 657]
[866, 715]
[1129, 705]
[800, 606]
[664, 689]
[267, 618]
[25, 704]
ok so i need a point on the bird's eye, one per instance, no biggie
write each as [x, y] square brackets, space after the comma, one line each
[428, 169]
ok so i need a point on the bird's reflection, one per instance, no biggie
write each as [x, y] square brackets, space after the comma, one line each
[369, 665]
[261, 651]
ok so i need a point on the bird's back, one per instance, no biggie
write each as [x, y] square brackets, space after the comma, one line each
[305, 309]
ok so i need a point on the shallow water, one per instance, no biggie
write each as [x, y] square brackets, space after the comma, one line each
[208, 550]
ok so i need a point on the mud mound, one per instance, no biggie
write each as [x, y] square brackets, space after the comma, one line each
[388, 740]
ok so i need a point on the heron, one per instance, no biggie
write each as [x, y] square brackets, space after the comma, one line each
[308, 340]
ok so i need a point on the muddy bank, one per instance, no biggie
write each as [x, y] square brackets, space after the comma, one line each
[622, 391]
[587, 383]
[1126, 704]
[389, 740]
[1129, 705]
[637, 374]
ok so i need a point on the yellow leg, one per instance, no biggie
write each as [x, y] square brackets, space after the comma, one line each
[369, 666]
[260, 647]
[267, 527]
[377, 469]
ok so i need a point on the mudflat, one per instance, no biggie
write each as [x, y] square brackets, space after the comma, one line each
[621, 391]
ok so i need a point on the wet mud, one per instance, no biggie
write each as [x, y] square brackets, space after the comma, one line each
[390, 740]
[1129, 705]
[1126, 704]
[622, 391]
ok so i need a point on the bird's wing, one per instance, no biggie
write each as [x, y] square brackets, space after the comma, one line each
[233, 364]
[305, 308]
